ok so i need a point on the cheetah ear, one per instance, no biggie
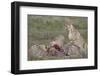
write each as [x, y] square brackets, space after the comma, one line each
[71, 27]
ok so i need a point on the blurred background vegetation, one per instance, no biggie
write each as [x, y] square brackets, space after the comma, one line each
[42, 29]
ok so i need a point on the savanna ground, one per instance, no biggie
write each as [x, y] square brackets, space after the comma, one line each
[43, 29]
